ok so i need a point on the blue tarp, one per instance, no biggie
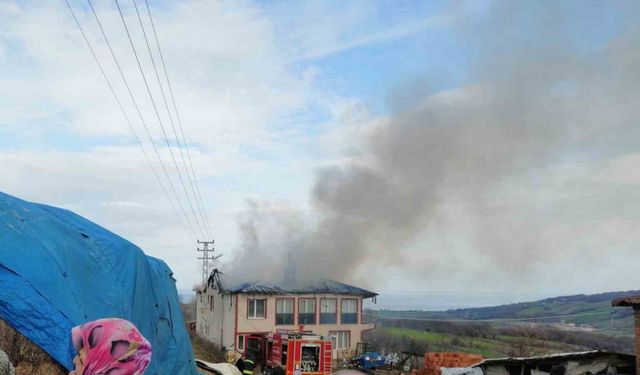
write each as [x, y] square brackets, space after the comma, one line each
[59, 270]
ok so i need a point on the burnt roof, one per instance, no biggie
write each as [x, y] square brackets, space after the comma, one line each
[626, 301]
[324, 286]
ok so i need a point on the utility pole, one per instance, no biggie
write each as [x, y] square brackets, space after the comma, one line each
[611, 323]
[207, 256]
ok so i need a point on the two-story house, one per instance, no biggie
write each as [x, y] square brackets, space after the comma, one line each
[234, 316]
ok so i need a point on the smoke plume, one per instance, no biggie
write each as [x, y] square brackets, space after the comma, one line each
[478, 159]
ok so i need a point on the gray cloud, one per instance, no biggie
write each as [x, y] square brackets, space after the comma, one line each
[532, 160]
[540, 98]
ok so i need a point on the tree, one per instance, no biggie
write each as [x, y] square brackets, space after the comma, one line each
[527, 341]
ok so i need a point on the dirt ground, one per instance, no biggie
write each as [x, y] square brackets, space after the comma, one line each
[206, 350]
[40, 369]
[26, 357]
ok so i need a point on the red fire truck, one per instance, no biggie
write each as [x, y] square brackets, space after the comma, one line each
[294, 350]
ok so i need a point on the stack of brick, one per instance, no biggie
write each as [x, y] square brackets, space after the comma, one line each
[443, 359]
[434, 361]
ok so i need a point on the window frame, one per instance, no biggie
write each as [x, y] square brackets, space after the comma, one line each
[315, 311]
[238, 340]
[335, 313]
[293, 311]
[337, 336]
[264, 309]
[342, 300]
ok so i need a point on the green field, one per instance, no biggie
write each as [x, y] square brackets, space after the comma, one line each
[494, 346]
[560, 324]
[594, 311]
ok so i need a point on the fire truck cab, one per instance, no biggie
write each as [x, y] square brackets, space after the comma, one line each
[306, 352]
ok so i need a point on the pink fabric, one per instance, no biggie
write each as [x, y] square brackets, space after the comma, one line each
[113, 347]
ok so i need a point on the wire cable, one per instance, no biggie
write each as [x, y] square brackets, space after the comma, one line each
[173, 126]
[128, 120]
[144, 124]
[184, 141]
[155, 108]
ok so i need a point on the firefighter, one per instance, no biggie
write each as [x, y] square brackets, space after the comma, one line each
[248, 365]
[240, 363]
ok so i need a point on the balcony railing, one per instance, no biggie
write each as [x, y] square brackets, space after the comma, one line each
[284, 319]
[328, 318]
[307, 318]
[349, 318]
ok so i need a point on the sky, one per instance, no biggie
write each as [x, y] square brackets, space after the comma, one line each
[471, 147]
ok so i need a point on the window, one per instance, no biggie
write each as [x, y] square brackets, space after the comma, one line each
[211, 303]
[328, 311]
[240, 343]
[256, 308]
[310, 358]
[340, 339]
[284, 312]
[253, 344]
[349, 311]
[285, 349]
[306, 311]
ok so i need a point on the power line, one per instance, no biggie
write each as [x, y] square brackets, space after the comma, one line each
[124, 113]
[155, 108]
[144, 124]
[186, 145]
[173, 126]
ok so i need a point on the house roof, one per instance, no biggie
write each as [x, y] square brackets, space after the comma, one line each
[552, 357]
[626, 301]
[324, 286]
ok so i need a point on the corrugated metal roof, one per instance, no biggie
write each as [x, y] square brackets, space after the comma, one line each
[627, 301]
[325, 286]
[554, 356]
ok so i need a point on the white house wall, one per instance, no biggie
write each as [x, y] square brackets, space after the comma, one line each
[217, 325]
[229, 321]
[268, 324]
[221, 327]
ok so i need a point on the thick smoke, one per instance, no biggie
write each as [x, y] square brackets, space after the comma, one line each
[538, 97]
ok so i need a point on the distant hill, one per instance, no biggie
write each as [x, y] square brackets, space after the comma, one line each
[587, 310]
